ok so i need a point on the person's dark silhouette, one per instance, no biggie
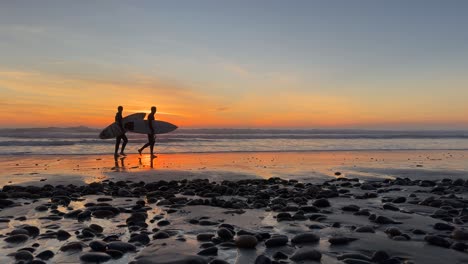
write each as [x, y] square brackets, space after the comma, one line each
[118, 120]
[151, 136]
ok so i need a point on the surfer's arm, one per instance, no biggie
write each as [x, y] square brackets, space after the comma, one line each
[150, 124]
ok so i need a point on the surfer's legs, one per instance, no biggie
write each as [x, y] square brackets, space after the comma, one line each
[151, 142]
[117, 144]
[146, 145]
[125, 141]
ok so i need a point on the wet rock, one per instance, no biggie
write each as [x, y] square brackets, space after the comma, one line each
[380, 256]
[115, 254]
[204, 237]
[211, 251]
[24, 255]
[72, 246]
[45, 255]
[460, 234]
[350, 208]
[96, 228]
[225, 234]
[321, 203]
[280, 255]
[304, 254]
[97, 257]
[171, 258]
[389, 206]
[246, 241]
[355, 261]
[399, 200]
[121, 246]
[276, 241]
[393, 231]
[163, 223]
[16, 239]
[141, 238]
[341, 240]
[385, 220]
[262, 259]
[41, 208]
[443, 226]
[62, 235]
[459, 246]
[353, 256]
[365, 229]
[98, 245]
[103, 214]
[437, 241]
[305, 238]
[419, 232]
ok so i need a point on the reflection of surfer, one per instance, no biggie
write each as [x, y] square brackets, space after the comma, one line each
[118, 120]
[151, 136]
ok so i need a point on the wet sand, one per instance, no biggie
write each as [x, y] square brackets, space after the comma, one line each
[332, 207]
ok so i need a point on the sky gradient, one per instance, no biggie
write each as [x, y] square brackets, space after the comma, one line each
[296, 64]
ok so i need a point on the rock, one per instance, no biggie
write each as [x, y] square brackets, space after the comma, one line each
[72, 246]
[280, 255]
[45, 255]
[211, 251]
[96, 228]
[164, 235]
[103, 214]
[142, 238]
[24, 255]
[393, 231]
[385, 220]
[225, 234]
[16, 239]
[163, 223]
[380, 256]
[262, 259]
[365, 229]
[355, 261]
[389, 206]
[95, 257]
[437, 241]
[460, 234]
[171, 258]
[218, 261]
[419, 232]
[246, 241]
[115, 254]
[304, 254]
[62, 235]
[41, 208]
[305, 238]
[276, 241]
[121, 246]
[204, 237]
[98, 245]
[459, 246]
[399, 200]
[443, 226]
[353, 256]
[350, 208]
[321, 203]
[19, 231]
[341, 240]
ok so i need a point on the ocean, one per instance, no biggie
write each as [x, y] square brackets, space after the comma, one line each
[84, 140]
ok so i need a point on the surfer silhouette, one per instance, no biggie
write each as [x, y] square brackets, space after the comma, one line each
[151, 136]
[118, 120]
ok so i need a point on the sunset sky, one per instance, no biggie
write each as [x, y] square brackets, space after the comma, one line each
[276, 64]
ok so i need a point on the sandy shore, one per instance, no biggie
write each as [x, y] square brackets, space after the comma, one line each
[129, 212]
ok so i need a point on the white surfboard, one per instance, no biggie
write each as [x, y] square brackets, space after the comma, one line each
[114, 130]
[142, 127]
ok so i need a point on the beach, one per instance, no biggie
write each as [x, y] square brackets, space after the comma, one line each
[241, 207]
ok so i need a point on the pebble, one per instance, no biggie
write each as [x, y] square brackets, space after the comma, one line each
[95, 257]
[141, 238]
[16, 239]
[365, 229]
[121, 246]
[321, 203]
[72, 246]
[246, 241]
[225, 234]
[211, 251]
[262, 259]
[276, 241]
[98, 245]
[45, 255]
[305, 238]
[24, 255]
[341, 240]
[304, 254]
[437, 241]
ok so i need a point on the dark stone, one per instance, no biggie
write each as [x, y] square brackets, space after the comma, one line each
[262, 259]
[437, 241]
[276, 241]
[62, 235]
[16, 239]
[95, 257]
[24, 255]
[98, 245]
[115, 254]
[211, 251]
[246, 241]
[142, 238]
[121, 246]
[225, 233]
[304, 254]
[72, 246]
[443, 226]
[340, 240]
[45, 255]
[365, 229]
[321, 203]
[305, 238]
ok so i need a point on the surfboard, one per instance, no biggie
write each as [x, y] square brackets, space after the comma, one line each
[142, 127]
[113, 130]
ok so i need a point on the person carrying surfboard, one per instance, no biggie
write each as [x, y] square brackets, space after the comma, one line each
[151, 136]
[118, 120]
